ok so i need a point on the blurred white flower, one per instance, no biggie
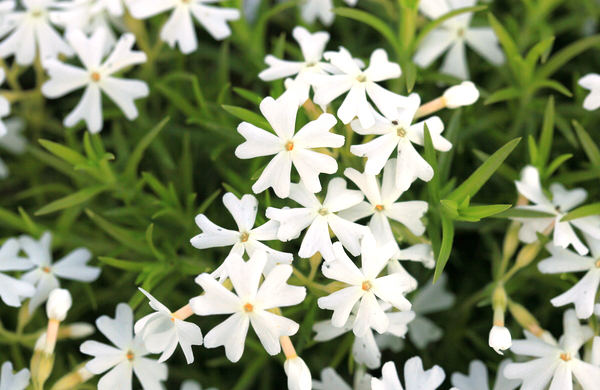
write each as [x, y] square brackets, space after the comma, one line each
[415, 377]
[58, 305]
[319, 218]
[582, 294]
[96, 77]
[127, 358]
[13, 142]
[45, 275]
[10, 381]
[364, 286]
[179, 28]
[289, 147]
[313, 10]
[499, 339]
[246, 239]
[162, 331]
[453, 36]
[193, 385]
[249, 305]
[562, 202]
[463, 94]
[398, 132]
[298, 374]
[555, 364]
[26, 30]
[331, 380]
[13, 291]
[359, 84]
[592, 82]
[478, 378]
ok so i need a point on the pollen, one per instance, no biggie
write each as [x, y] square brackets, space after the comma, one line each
[565, 356]
[95, 76]
[323, 211]
[130, 356]
[401, 131]
[366, 285]
[248, 307]
[361, 78]
[244, 237]
[380, 207]
[289, 146]
[46, 270]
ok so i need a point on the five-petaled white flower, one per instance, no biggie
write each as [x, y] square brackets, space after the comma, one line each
[10, 381]
[453, 35]
[249, 306]
[562, 202]
[358, 84]
[313, 10]
[398, 132]
[582, 294]
[381, 205]
[193, 385]
[163, 330]
[13, 141]
[478, 378]
[28, 28]
[555, 364]
[245, 239]
[289, 148]
[179, 28]
[415, 377]
[127, 358]
[13, 291]
[592, 82]
[45, 275]
[96, 77]
[331, 380]
[364, 286]
[319, 218]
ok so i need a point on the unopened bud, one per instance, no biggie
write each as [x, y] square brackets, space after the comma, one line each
[59, 303]
[298, 374]
[511, 240]
[77, 330]
[499, 298]
[460, 95]
[500, 339]
[527, 254]
[525, 318]
[73, 380]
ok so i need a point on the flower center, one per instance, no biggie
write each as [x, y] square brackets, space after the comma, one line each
[366, 285]
[248, 307]
[598, 263]
[46, 270]
[36, 13]
[244, 237]
[289, 146]
[130, 356]
[380, 207]
[401, 131]
[565, 356]
[323, 211]
[460, 32]
[310, 64]
[95, 76]
[361, 78]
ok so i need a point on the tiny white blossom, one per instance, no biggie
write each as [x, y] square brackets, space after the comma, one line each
[299, 377]
[249, 305]
[13, 141]
[478, 378]
[162, 331]
[582, 294]
[179, 28]
[10, 381]
[96, 77]
[246, 239]
[331, 380]
[592, 82]
[464, 94]
[398, 132]
[313, 10]
[193, 385]
[499, 339]
[289, 147]
[562, 202]
[364, 286]
[25, 31]
[415, 377]
[555, 364]
[13, 291]
[45, 275]
[319, 218]
[127, 358]
[453, 36]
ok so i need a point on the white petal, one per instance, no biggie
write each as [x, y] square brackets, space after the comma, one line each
[390, 289]
[312, 45]
[380, 68]
[355, 105]
[310, 164]
[409, 214]
[216, 300]
[232, 334]
[530, 186]
[74, 266]
[64, 78]
[317, 239]
[411, 166]
[213, 235]
[339, 197]
[349, 233]
[258, 143]
[377, 151]
[88, 109]
[150, 373]
[281, 115]
[270, 327]
[12, 290]
[275, 292]
[455, 62]
[293, 221]
[365, 351]
[42, 290]
[242, 210]
[369, 316]
[276, 175]
[587, 375]
[122, 56]
[485, 43]
[435, 125]
[214, 19]
[433, 46]
[316, 134]
[124, 93]
[118, 330]
[117, 378]
[279, 68]
[415, 377]
[179, 29]
[342, 268]
[386, 101]
[341, 302]
[366, 183]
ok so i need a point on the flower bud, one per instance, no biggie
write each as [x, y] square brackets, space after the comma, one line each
[298, 374]
[525, 318]
[77, 330]
[500, 338]
[59, 303]
[460, 95]
[72, 380]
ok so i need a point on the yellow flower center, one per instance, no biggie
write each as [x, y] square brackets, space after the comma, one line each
[130, 356]
[46, 270]
[323, 211]
[289, 146]
[380, 207]
[244, 237]
[366, 285]
[95, 76]
[361, 78]
[565, 356]
[248, 307]
[598, 263]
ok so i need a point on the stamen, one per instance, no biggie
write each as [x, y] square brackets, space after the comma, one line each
[289, 146]
[323, 211]
[95, 76]
[245, 236]
[248, 307]
[598, 263]
[46, 270]
[366, 285]
[401, 131]
[130, 356]
[361, 78]
[565, 356]
[380, 207]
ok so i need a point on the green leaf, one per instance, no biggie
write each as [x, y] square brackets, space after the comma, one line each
[558, 60]
[410, 73]
[503, 95]
[436, 23]
[136, 156]
[587, 143]
[536, 52]
[126, 237]
[533, 151]
[72, 200]
[370, 20]
[429, 155]
[547, 135]
[248, 116]
[250, 96]
[522, 213]
[64, 153]
[552, 84]
[475, 213]
[150, 241]
[555, 164]
[208, 201]
[450, 207]
[510, 47]
[446, 248]
[127, 265]
[471, 186]
[583, 211]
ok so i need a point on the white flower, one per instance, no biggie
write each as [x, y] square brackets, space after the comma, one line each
[193, 385]
[582, 294]
[317, 9]
[478, 378]
[30, 28]
[58, 305]
[555, 363]
[179, 28]
[453, 35]
[499, 339]
[96, 77]
[415, 377]
[245, 239]
[398, 132]
[13, 291]
[562, 202]
[381, 205]
[249, 306]
[13, 141]
[358, 84]
[461, 95]
[289, 147]
[163, 330]
[592, 82]
[364, 286]
[595, 358]
[10, 381]
[4, 105]
[45, 275]
[124, 360]
[364, 349]
[319, 218]
[331, 380]
[298, 374]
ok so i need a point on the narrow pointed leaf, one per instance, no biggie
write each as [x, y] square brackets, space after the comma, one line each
[75, 199]
[583, 211]
[446, 248]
